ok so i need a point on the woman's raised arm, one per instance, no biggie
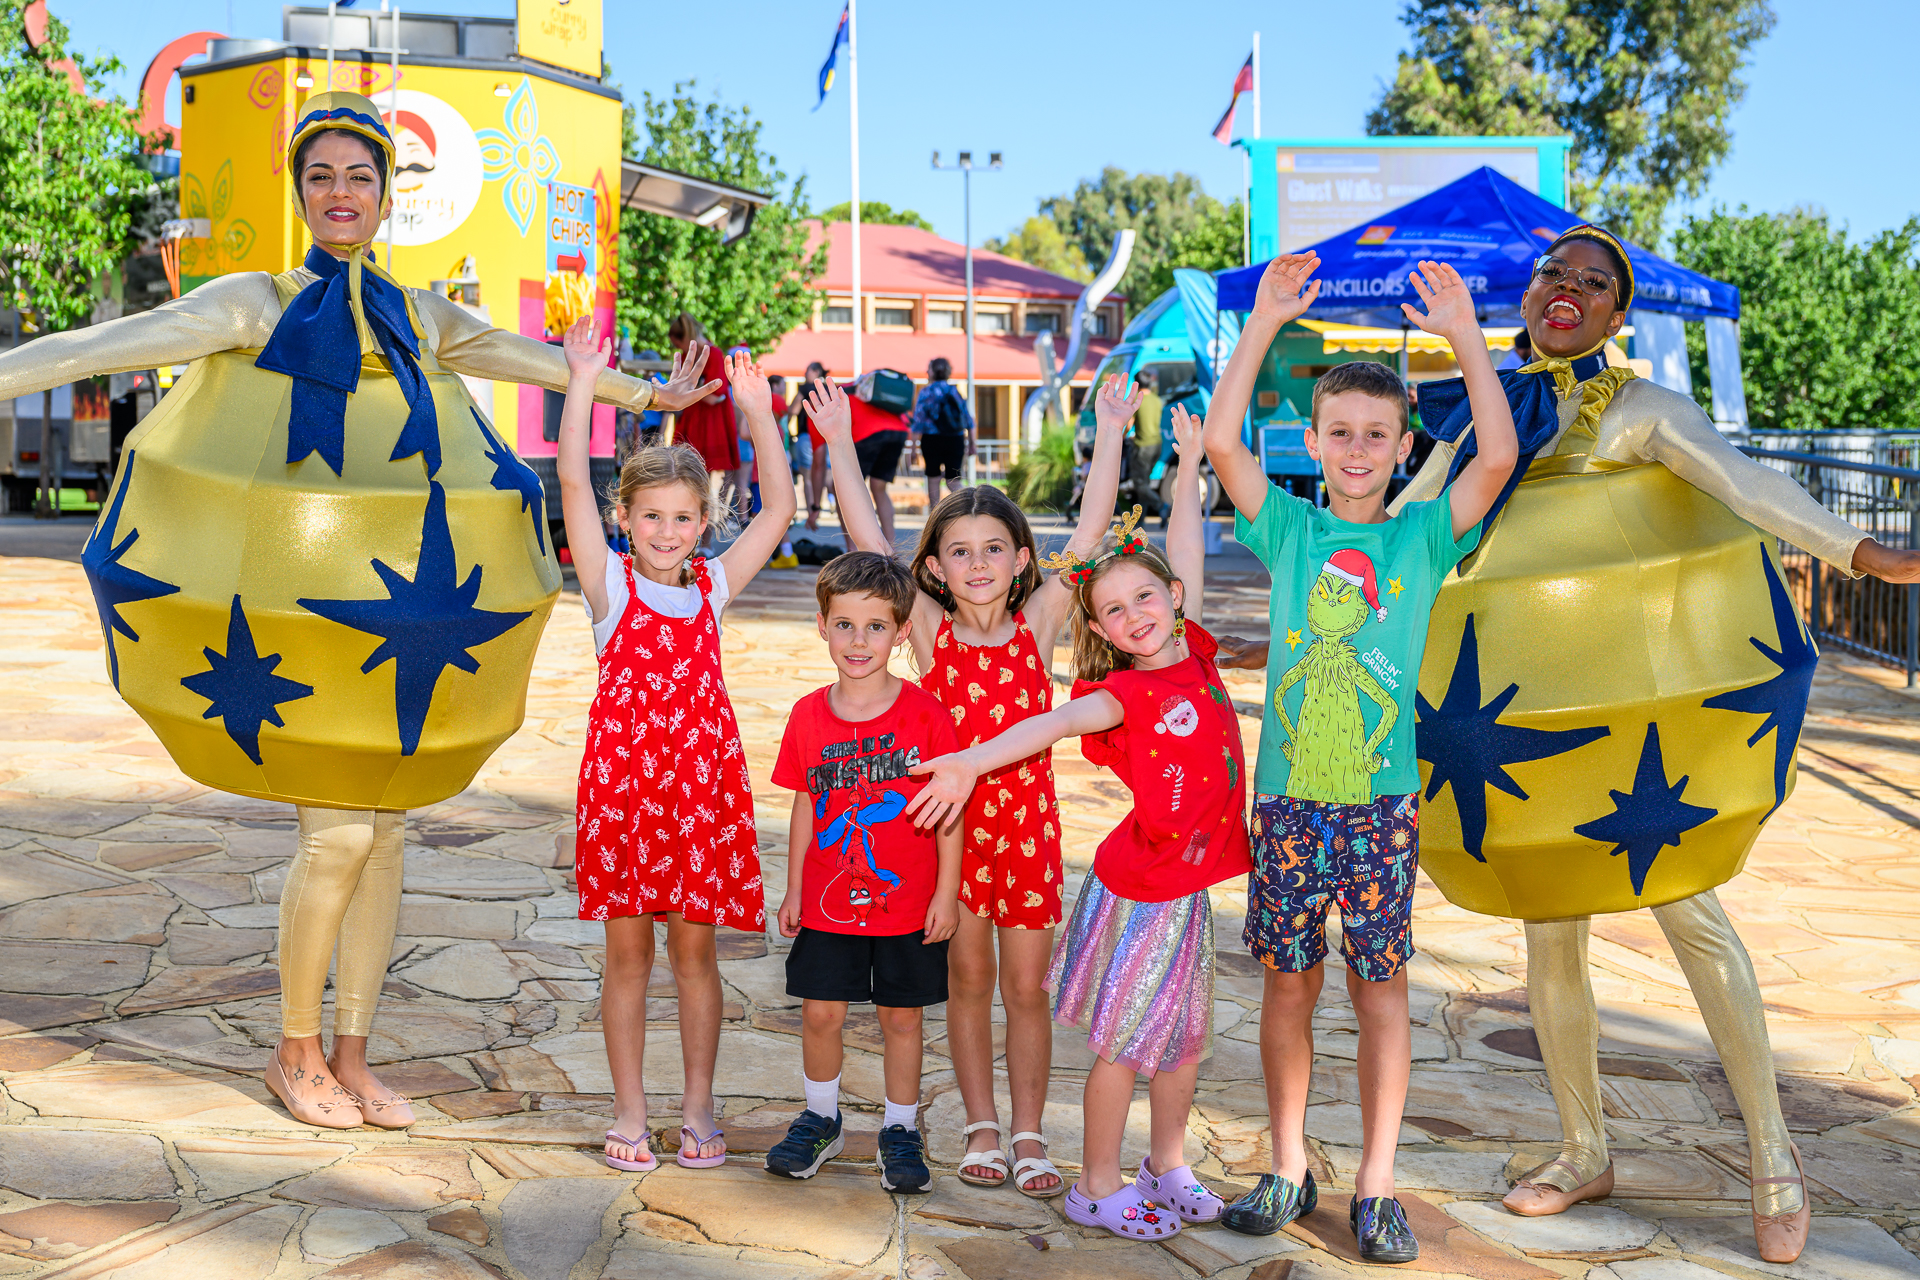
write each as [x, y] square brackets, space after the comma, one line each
[230, 313]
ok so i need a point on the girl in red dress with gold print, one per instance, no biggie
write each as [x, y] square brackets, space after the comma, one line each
[665, 808]
[983, 634]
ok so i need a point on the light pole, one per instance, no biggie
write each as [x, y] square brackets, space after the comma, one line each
[965, 166]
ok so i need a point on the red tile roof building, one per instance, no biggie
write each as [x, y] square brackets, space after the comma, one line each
[913, 285]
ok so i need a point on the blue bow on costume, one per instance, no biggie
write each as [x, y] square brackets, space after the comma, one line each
[317, 344]
[1533, 394]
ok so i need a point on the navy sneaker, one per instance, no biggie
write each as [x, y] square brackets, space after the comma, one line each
[812, 1140]
[1380, 1225]
[903, 1160]
[1271, 1205]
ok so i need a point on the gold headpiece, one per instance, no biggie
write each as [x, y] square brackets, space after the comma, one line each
[1124, 529]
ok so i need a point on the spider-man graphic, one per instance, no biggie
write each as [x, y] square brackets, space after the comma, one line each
[866, 879]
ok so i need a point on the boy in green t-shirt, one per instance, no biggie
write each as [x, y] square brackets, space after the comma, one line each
[1336, 804]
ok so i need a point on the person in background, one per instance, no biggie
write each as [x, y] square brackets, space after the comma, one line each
[944, 427]
[879, 438]
[786, 559]
[708, 426]
[806, 445]
[1522, 353]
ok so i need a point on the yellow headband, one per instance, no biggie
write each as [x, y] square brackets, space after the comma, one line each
[1587, 231]
[353, 113]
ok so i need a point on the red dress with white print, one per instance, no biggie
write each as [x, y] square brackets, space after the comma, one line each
[1010, 861]
[665, 810]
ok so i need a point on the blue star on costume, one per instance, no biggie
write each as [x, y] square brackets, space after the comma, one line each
[242, 687]
[1781, 698]
[426, 625]
[115, 584]
[317, 345]
[1651, 818]
[510, 475]
[1469, 747]
[1446, 414]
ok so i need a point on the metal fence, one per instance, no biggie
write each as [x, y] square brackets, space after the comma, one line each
[1881, 448]
[1875, 619]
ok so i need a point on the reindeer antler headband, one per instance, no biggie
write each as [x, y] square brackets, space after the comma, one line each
[1125, 529]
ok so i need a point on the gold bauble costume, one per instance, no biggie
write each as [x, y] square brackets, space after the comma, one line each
[1629, 583]
[348, 621]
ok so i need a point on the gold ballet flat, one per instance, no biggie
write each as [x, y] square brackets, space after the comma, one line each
[323, 1113]
[1781, 1236]
[1531, 1198]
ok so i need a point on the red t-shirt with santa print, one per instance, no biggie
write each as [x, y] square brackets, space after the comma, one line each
[1177, 748]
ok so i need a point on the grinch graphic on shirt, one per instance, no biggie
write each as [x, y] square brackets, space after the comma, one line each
[1333, 757]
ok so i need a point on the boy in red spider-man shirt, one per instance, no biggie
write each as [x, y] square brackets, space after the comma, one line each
[871, 898]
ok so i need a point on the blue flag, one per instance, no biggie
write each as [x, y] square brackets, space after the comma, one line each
[833, 58]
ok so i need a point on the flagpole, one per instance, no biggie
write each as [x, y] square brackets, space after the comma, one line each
[1246, 164]
[1256, 84]
[853, 115]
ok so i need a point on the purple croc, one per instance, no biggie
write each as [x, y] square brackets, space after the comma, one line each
[1181, 1191]
[1126, 1213]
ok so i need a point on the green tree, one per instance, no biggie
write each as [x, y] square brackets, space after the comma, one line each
[1215, 242]
[1827, 327]
[1039, 242]
[876, 211]
[70, 182]
[752, 291]
[1645, 88]
[1159, 207]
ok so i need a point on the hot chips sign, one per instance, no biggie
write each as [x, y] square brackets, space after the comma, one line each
[572, 255]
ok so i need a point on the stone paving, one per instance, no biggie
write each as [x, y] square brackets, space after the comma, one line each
[138, 1004]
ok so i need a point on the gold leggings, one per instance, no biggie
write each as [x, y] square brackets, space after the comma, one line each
[1717, 967]
[344, 885]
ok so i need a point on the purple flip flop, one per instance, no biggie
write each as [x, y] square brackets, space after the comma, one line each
[685, 1161]
[633, 1166]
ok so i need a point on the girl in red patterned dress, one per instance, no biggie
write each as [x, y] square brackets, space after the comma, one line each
[983, 634]
[665, 808]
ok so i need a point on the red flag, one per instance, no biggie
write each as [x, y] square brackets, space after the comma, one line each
[1242, 83]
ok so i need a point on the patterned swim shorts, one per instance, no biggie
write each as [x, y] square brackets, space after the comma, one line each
[1308, 855]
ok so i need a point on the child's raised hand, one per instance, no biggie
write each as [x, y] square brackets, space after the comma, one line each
[832, 418]
[1279, 295]
[945, 794]
[749, 382]
[1187, 429]
[586, 353]
[1449, 310]
[684, 387]
[1113, 408]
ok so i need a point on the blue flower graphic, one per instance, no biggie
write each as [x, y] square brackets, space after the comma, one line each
[521, 155]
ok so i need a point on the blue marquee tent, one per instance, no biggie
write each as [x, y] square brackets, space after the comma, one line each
[1490, 228]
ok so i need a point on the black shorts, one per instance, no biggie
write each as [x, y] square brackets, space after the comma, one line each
[879, 454]
[898, 970]
[943, 454]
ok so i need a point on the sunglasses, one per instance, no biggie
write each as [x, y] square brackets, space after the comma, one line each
[1558, 273]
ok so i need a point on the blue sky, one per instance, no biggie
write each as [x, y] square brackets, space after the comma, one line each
[1066, 89]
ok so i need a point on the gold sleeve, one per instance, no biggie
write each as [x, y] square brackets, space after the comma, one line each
[1666, 427]
[226, 314]
[1428, 482]
[466, 344]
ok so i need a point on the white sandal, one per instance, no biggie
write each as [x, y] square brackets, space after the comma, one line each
[993, 1158]
[1026, 1170]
